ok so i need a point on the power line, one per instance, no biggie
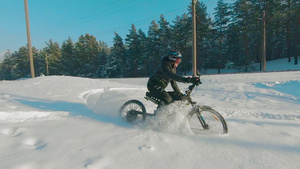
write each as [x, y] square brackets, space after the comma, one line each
[140, 22]
[148, 19]
[79, 16]
[91, 16]
[123, 27]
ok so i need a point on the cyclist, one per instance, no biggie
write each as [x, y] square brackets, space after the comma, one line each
[165, 74]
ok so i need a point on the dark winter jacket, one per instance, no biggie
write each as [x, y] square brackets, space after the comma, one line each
[165, 74]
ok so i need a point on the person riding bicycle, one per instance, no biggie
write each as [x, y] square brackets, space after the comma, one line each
[165, 74]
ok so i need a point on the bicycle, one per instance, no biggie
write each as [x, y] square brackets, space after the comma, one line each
[202, 119]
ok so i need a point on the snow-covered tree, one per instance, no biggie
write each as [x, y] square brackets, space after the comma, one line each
[116, 63]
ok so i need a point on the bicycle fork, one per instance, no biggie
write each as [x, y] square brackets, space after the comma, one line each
[200, 118]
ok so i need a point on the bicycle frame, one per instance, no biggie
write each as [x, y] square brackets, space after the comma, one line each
[207, 116]
[188, 92]
[195, 106]
[189, 99]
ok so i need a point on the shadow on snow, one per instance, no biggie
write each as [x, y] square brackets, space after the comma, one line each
[75, 109]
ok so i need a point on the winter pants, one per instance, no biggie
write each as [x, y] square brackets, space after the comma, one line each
[166, 97]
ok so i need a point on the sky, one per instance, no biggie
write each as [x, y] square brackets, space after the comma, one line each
[73, 123]
[60, 19]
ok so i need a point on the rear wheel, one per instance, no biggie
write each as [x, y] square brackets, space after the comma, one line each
[205, 120]
[133, 111]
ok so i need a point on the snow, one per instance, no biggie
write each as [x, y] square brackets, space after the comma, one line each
[71, 122]
[273, 65]
[2, 54]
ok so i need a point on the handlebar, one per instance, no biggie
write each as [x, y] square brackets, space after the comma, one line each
[190, 89]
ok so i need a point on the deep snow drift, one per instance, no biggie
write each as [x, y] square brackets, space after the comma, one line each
[69, 122]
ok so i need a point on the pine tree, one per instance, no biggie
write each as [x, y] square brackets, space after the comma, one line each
[102, 60]
[153, 48]
[243, 19]
[135, 55]
[164, 36]
[297, 31]
[116, 63]
[234, 52]
[20, 63]
[68, 58]
[86, 52]
[222, 19]
[52, 52]
[181, 40]
[6, 66]
[143, 59]
[291, 23]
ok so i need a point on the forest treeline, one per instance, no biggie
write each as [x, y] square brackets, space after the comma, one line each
[233, 37]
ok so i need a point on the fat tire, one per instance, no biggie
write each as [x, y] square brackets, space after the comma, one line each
[204, 112]
[133, 106]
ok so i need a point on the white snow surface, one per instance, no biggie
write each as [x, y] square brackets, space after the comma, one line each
[73, 123]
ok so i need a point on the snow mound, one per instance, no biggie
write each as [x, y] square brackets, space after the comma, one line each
[108, 101]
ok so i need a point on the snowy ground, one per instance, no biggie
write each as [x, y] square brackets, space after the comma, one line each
[273, 65]
[70, 123]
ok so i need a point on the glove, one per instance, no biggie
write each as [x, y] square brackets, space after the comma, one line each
[194, 80]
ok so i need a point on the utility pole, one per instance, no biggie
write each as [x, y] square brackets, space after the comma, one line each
[263, 58]
[29, 39]
[194, 67]
[47, 64]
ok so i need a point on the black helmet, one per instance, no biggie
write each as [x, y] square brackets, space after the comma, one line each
[174, 55]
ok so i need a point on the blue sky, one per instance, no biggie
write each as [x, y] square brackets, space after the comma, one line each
[60, 19]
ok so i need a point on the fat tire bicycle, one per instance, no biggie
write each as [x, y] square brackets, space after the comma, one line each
[202, 119]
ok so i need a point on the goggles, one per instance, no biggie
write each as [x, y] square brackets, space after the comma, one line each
[178, 60]
[175, 53]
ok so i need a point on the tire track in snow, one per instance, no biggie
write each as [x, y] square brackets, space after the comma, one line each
[261, 115]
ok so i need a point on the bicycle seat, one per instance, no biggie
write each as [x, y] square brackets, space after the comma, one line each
[152, 98]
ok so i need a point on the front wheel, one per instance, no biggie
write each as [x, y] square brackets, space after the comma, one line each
[205, 120]
[133, 111]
